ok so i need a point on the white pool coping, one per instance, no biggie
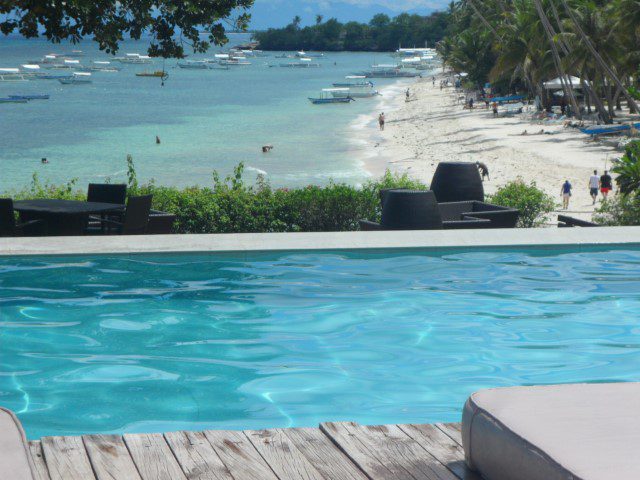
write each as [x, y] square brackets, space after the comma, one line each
[270, 242]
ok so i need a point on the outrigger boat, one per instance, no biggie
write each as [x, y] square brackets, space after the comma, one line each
[328, 95]
[388, 71]
[101, 67]
[135, 58]
[610, 129]
[303, 63]
[12, 75]
[30, 97]
[358, 82]
[78, 78]
[193, 65]
[13, 100]
[157, 74]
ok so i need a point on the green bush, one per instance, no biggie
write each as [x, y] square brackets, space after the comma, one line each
[533, 203]
[627, 169]
[38, 189]
[619, 210]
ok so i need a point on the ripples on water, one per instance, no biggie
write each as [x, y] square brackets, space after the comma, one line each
[114, 344]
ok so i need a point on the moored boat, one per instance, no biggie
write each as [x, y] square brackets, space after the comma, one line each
[327, 96]
[30, 97]
[12, 100]
[157, 74]
[78, 78]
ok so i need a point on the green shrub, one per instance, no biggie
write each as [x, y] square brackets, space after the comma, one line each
[627, 169]
[619, 210]
[533, 203]
[38, 189]
[233, 206]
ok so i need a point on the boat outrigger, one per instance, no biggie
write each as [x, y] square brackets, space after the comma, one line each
[157, 74]
[332, 95]
[78, 78]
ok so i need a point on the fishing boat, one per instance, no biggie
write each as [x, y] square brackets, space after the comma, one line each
[97, 66]
[135, 59]
[78, 78]
[303, 54]
[354, 81]
[12, 100]
[388, 71]
[12, 75]
[303, 63]
[327, 96]
[235, 62]
[356, 92]
[157, 74]
[192, 65]
[30, 97]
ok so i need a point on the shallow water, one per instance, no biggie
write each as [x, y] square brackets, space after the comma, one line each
[207, 120]
[160, 343]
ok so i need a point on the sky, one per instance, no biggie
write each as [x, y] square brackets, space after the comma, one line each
[278, 13]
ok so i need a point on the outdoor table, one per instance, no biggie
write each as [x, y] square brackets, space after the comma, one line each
[63, 217]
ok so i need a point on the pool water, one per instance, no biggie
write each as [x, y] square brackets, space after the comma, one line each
[168, 342]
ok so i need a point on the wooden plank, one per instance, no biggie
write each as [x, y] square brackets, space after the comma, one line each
[66, 458]
[153, 457]
[386, 452]
[453, 430]
[196, 456]
[110, 458]
[323, 454]
[283, 457]
[239, 455]
[442, 447]
[42, 472]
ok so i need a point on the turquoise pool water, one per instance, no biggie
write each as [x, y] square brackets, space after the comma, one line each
[167, 342]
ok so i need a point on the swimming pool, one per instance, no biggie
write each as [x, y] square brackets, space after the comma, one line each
[233, 341]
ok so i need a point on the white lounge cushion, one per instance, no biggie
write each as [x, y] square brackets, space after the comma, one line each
[15, 459]
[561, 432]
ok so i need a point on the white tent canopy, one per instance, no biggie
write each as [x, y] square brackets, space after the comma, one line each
[556, 83]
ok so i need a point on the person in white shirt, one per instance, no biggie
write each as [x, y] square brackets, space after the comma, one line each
[594, 184]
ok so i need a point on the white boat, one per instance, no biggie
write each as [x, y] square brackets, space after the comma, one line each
[78, 78]
[354, 81]
[101, 66]
[235, 62]
[361, 90]
[135, 58]
[193, 65]
[303, 54]
[12, 75]
[302, 63]
[328, 96]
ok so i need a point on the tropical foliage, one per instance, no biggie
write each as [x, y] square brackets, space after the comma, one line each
[533, 203]
[233, 205]
[381, 34]
[170, 23]
[520, 44]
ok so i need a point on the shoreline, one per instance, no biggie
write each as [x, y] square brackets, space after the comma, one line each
[433, 128]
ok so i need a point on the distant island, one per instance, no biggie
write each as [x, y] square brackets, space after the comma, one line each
[381, 34]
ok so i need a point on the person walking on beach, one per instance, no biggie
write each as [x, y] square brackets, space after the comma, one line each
[606, 184]
[381, 121]
[494, 106]
[565, 193]
[594, 184]
[483, 169]
[408, 95]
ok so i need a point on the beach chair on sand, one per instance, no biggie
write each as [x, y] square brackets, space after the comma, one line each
[15, 459]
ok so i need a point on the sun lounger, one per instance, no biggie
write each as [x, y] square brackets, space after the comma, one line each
[561, 432]
[15, 459]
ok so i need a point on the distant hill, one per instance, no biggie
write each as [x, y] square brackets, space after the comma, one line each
[274, 14]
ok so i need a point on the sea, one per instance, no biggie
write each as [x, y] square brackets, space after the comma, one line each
[206, 120]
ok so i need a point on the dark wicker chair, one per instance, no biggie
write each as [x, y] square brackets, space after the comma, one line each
[107, 193]
[160, 223]
[135, 219]
[415, 210]
[457, 182]
[500, 217]
[565, 221]
[10, 228]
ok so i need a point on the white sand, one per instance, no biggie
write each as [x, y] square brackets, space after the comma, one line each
[433, 127]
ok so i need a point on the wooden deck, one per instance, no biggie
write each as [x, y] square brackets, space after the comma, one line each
[335, 451]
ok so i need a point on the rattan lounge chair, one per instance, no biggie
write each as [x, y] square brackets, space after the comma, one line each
[10, 228]
[135, 219]
[457, 182]
[416, 210]
[500, 217]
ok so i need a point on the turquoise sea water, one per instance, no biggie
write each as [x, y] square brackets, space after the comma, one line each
[160, 343]
[206, 120]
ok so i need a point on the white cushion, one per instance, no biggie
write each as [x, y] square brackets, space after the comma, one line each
[15, 459]
[584, 431]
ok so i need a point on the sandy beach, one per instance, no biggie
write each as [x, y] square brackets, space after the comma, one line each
[433, 127]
